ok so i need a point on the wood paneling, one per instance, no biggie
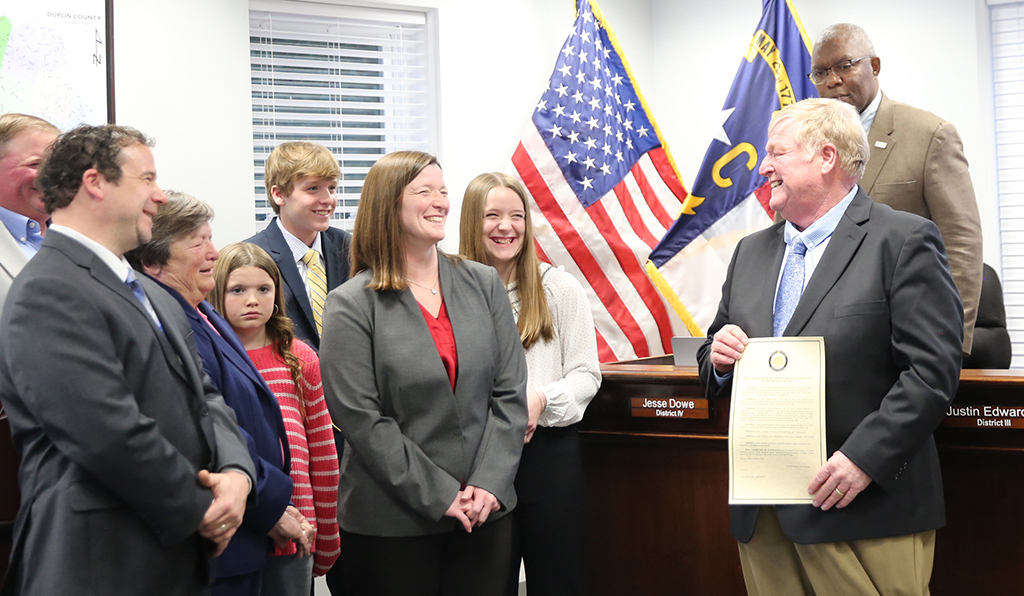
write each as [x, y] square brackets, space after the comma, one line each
[657, 491]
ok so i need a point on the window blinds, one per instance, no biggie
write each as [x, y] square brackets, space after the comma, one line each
[357, 80]
[1008, 93]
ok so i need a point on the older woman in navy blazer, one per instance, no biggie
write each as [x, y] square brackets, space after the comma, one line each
[180, 257]
[424, 372]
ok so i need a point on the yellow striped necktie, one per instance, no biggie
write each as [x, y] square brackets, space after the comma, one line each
[317, 287]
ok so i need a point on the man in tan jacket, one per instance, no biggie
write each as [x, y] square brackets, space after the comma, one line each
[917, 160]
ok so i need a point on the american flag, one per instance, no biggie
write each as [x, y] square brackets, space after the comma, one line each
[604, 187]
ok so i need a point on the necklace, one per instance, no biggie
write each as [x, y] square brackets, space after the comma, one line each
[433, 290]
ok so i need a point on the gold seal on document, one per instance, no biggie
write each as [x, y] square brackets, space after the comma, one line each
[778, 360]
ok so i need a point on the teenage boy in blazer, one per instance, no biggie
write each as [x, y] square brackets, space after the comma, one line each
[301, 181]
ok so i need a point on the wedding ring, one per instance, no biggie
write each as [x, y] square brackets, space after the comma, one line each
[840, 493]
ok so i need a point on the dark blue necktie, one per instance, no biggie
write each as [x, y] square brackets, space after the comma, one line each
[790, 288]
[136, 287]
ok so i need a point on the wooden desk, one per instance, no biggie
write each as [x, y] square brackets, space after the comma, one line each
[657, 490]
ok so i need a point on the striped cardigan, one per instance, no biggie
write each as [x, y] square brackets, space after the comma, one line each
[311, 443]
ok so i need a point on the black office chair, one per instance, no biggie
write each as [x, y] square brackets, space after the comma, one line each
[992, 348]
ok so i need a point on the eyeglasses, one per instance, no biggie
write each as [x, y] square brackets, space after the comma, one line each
[818, 77]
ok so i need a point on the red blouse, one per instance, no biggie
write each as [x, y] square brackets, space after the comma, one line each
[444, 339]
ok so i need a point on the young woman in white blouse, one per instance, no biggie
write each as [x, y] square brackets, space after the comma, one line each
[557, 331]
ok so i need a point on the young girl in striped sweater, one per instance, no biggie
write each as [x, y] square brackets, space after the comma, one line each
[248, 293]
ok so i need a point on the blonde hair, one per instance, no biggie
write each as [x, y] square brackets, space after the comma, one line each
[535, 321]
[279, 328]
[822, 121]
[294, 160]
[12, 125]
[378, 238]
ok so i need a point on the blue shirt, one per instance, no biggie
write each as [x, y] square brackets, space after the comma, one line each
[299, 250]
[815, 237]
[26, 231]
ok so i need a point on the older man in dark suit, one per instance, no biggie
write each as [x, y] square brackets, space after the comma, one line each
[133, 471]
[917, 159]
[875, 283]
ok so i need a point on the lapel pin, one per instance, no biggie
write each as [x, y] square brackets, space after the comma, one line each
[881, 144]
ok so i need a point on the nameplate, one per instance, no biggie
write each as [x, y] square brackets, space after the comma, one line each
[971, 416]
[670, 407]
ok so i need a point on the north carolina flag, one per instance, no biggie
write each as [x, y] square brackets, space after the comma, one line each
[603, 187]
[729, 198]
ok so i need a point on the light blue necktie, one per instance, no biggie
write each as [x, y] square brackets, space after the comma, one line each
[790, 288]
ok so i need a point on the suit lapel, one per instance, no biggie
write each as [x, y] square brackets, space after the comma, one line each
[446, 281]
[766, 311]
[236, 352]
[282, 255]
[172, 342]
[331, 260]
[882, 143]
[101, 273]
[238, 356]
[12, 257]
[842, 247]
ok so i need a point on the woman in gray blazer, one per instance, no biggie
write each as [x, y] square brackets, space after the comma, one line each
[424, 372]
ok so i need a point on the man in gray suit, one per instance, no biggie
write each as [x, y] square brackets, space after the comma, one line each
[875, 283]
[133, 471]
[23, 143]
[917, 160]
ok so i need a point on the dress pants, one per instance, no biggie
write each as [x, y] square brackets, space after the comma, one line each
[334, 576]
[549, 521]
[248, 584]
[452, 563]
[774, 565]
[288, 575]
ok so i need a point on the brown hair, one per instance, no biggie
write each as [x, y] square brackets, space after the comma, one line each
[279, 328]
[294, 160]
[181, 215]
[12, 125]
[82, 149]
[378, 237]
[534, 316]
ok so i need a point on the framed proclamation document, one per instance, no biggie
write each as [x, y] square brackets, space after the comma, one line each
[777, 421]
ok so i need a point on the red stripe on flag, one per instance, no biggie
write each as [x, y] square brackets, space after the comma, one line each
[668, 174]
[764, 194]
[652, 199]
[543, 256]
[633, 216]
[604, 351]
[634, 271]
[580, 253]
